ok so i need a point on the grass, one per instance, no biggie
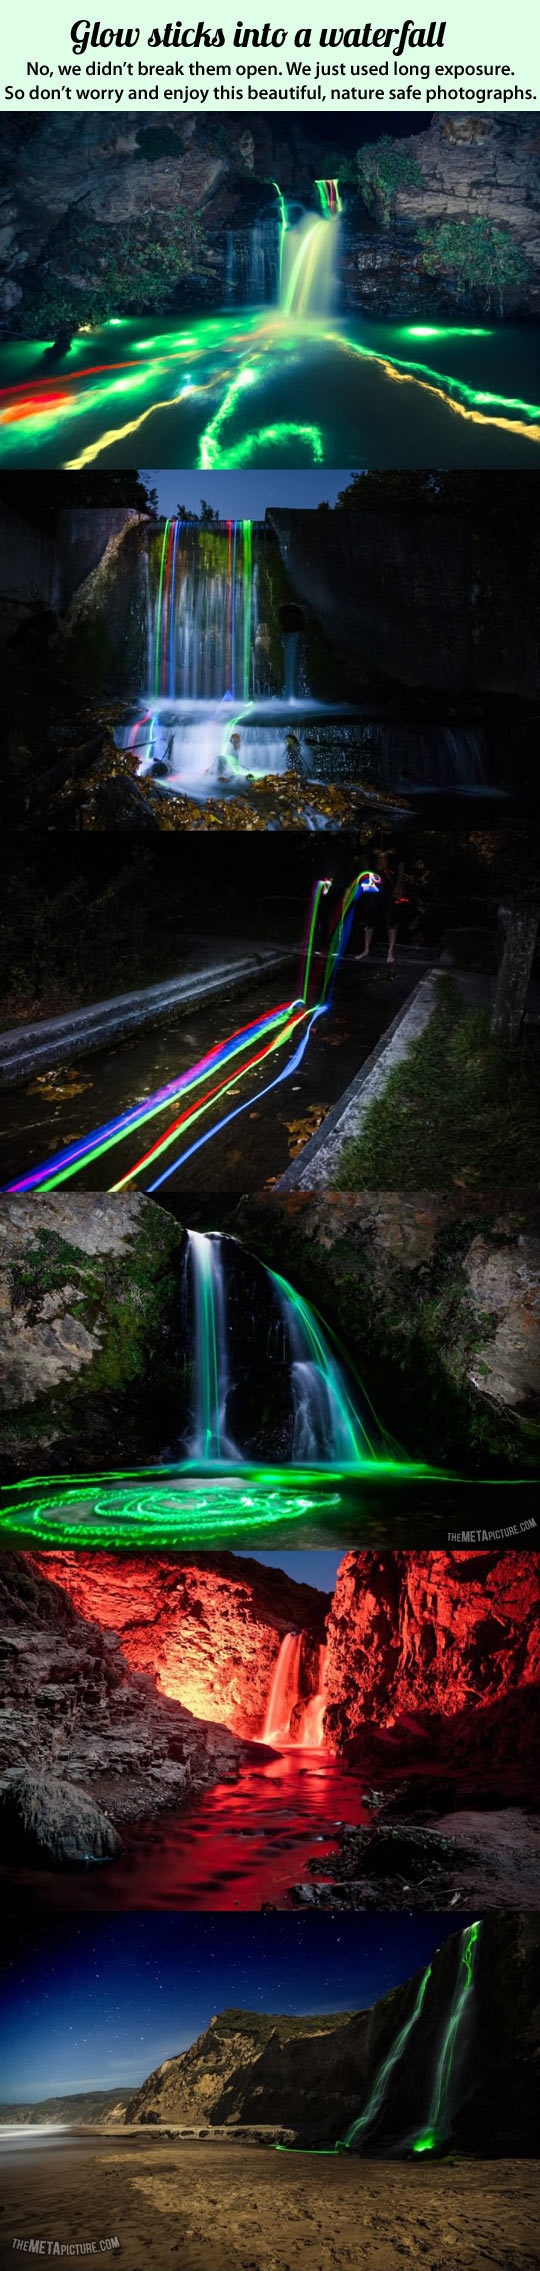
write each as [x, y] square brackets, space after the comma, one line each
[462, 1109]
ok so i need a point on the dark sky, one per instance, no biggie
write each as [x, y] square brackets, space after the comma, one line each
[97, 2003]
[307, 1568]
[245, 496]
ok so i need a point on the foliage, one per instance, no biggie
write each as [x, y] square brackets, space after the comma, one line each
[132, 268]
[383, 168]
[480, 256]
[461, 1101]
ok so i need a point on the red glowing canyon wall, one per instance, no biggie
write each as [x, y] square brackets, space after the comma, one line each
[440, 1635]
[209, 1629]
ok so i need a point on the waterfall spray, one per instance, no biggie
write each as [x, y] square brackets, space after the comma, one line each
[284, 1689]
[326, 1427]
[325, 1424]
[308, 258]
[203, 611]
[209, 1439]
[285, 1695]
[439, 2117]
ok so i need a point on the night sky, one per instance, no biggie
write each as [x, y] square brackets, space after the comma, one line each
[245, 496]
[97, 2003]
[307, 1568]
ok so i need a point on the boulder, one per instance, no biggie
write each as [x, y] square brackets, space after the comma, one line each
[43, 1818]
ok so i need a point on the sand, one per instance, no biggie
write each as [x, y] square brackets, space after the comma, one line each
[226, 2207]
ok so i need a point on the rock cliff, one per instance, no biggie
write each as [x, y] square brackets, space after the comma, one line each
[465, 167]
[318, 2075]
[208, 1630]
[437, 1632]
[86, 1743]
[88, 1300]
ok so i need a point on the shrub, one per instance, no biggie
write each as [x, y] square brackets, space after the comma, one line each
[383, 168]
[480, 256]
[133, 268]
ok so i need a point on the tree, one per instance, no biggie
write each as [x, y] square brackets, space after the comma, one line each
[519, 920]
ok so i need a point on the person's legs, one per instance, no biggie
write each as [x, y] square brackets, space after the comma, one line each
[392, 941]
[368, 937]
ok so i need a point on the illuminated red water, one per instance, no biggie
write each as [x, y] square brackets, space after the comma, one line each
[241, 1844]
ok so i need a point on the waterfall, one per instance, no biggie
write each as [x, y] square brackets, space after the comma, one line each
[209, 1438]
[439, 2119]
[329, 196]
[325, 1424]
[285, 1698]
[308, 261]
[252, 270]
[326, 1428]
[460, 758]
[312, 1730]
[284, 1690]
[203, 611]
[385, 2070]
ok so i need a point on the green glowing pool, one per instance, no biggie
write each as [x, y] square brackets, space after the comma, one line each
[180, 1507]
[261, 387]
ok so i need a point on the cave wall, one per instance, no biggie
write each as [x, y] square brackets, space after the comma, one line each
[209, 1630]
[246, 2069]
[443, 1635]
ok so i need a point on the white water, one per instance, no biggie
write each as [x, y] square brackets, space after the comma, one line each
[326, 1427]
[286, 1699]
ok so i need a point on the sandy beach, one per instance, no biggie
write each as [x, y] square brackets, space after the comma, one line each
[184, 2206]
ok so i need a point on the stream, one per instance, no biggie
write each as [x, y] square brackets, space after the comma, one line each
[241, 1845]
[264, 386]
[54, 1109]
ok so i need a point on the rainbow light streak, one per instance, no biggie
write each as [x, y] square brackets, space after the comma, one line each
[91, 1147]
[35, 408]
[281, 1024]
[248, 573]
[331, 202]
[292, 1066]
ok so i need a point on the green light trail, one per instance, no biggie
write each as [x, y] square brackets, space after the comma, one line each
[383, 2076]
[439, 2116]
[186, 1505]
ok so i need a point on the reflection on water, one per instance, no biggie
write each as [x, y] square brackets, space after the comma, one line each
[384, 1504]
[264, 387]
[238, 1846]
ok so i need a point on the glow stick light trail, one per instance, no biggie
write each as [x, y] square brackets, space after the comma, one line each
[231, 1059]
